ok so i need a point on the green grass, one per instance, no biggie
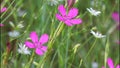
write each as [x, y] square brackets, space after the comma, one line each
[68, 47]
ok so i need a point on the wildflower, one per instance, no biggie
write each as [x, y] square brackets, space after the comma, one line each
[115, 17]
[53, 2]
[1, 24]
[68, 19]
[118, 42]
[111, 64]
[3, 9]
[93, 12]
[38, 44]
[70, 3]
[97, 34]
[20, 25]
[23, 49]
[94, 65]
[13, 33]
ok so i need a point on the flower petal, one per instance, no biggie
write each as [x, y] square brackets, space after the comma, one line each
[44, 48]
[76, 21]
[103, 67]
[1, 24]
[118, 66]
[39, 51]
[43, 39]
[110, 63]
[29, 44]
[68, 23]
[115, 16]
[34, 36]
[59, 17]
[3, 9]
[73, 12]
[62, 10]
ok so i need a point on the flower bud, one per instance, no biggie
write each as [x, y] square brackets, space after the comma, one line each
[70, 3]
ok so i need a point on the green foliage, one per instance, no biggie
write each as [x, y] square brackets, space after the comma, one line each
[68, 47]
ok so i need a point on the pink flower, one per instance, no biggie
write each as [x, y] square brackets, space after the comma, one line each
[38, 44]
[115, 17]
[118, 42]
[111, 64]
[1, 24]
[68, 19]
[3, 9]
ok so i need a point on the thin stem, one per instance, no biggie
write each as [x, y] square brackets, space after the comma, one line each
[31, 59]
[56, 33]
[66, 55]
[106, 51]
[91, 48]
[81, 61]
[53, 59]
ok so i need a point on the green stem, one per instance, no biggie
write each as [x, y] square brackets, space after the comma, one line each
[31, 60]
[56, 34]
[106, 51]
[81, 61]
[91, 48]
[67, 49]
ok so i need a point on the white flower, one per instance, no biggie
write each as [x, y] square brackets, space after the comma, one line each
[53, 2]
[20, 25]
[13, 33]
[97, 34]
[93, 12]
[94, 65]
[21, 12]
[23, 49]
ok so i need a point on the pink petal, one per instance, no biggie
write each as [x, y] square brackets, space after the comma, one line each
[103, 67]
[118, 66]
[62, 10]
[115, 16]
[76, 21]
[39, 51]
[44, 48]
[73, 12]
[118, 42]
[29, 44]
[59, 17]
[43, 39]
[34, 37]
[1, 24]
[110, 63]
[3, 9]
[68, 23]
